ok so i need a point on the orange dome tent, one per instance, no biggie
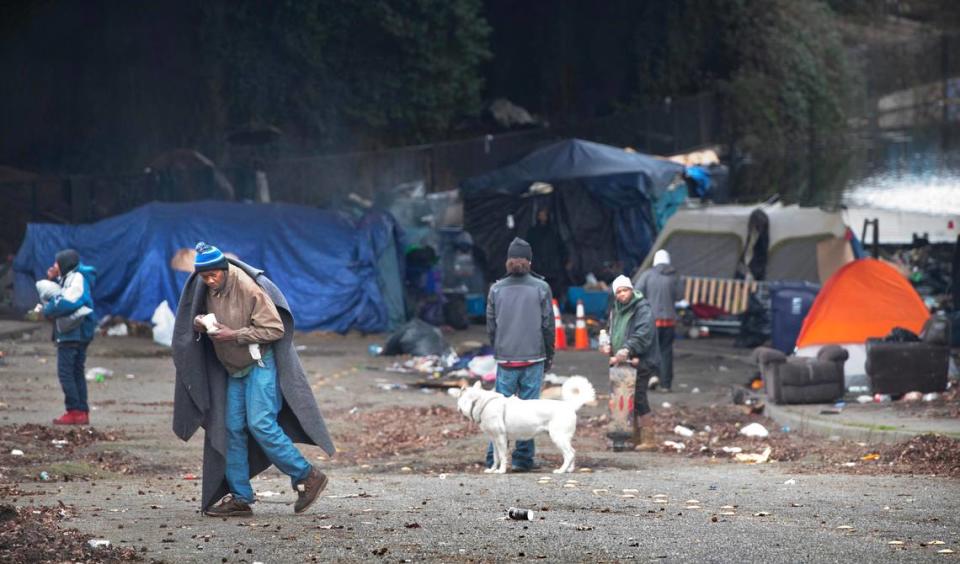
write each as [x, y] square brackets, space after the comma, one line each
[865, 298]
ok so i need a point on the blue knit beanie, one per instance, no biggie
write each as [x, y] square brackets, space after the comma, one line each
[209, 258]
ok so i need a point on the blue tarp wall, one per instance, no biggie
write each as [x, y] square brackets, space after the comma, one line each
[325, 264]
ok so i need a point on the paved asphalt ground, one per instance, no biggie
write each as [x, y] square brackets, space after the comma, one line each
[435, 504]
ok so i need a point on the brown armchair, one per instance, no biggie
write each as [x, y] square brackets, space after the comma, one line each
[802, 379]
[921, 366]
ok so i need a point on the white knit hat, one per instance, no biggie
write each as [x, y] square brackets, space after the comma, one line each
[621, 282]
[661, 257]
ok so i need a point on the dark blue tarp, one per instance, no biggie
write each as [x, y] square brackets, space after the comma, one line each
[625, 183]
[324, 264]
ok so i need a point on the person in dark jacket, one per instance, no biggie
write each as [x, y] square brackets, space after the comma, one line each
[633, 336]
[71, 333]
[521, 329]
[661, 285]
[242, 382]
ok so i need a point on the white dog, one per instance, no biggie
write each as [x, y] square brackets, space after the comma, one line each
[505, 419]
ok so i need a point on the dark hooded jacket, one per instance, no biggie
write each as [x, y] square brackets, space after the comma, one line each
[662, 286]
[201, 389]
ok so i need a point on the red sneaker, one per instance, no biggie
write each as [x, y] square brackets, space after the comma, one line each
[73, 417]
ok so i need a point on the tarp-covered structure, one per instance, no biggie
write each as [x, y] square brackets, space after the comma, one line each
[601, 198]
[864, 299]
[328, 267]
[800, 244]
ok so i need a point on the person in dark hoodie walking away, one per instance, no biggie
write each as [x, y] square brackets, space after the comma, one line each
[244, 383]
[72, 331]
[661, 285]
[521, 329]
[633, 340]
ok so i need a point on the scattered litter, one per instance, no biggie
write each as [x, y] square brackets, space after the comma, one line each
[268, 494]
[600, 491]
[785, 429]
[189, 476]
[932, 396]
[406, 469]
[724, 368]
[163, 321]
[98, 543]
[731, 450]
[912, 396]
[44, 476]
[895, 542]
[754, 458]
[660, 500]
[790, 482]
[761, 514]
[695, 391]
[552, 378]
[728, 513]
[936, 542]
[518, 514]
[118, 330]
[755, 430]
[882, 398]
[683, 431]
[390, 387]
[630, 491]
[572, 482]
[945, 551]
[871, 456]
[374, 349]
[675, 445]
[693, 507]
[569, 485]
[845, 528]
[849, 464]
[864, 399]
[16, 452]
[442, 476]
[97, 373]
[585, 470]
[131, 376]
[628, 496]
[59, 443]
[666, 405]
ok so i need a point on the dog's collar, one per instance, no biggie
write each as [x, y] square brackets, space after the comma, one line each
[483, 406]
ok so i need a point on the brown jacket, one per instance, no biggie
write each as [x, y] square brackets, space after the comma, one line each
[242, 305]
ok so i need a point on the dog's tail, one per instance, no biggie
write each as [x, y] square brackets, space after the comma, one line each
[578, 391]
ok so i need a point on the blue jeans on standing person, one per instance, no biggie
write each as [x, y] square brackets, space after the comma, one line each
[253, 402]
[71, 358]
[524, 382]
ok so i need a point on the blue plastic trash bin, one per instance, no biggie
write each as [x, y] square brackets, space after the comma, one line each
[789, 304]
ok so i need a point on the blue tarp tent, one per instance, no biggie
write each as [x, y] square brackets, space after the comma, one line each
[602, 201]
[324, 263]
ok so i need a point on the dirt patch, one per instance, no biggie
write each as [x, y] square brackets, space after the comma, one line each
[394, 431]
[62, 453]
[34, 534]
[719, 426]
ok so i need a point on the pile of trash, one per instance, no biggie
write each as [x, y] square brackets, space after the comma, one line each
[35, 534]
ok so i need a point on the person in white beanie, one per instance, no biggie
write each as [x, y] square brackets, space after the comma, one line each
[663, 287]
[633, 336]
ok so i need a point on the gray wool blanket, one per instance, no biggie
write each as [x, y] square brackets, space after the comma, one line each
[201, 389]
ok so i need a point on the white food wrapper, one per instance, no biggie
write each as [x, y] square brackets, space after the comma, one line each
[210, 322]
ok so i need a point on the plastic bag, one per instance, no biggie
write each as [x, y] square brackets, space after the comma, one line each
[417, 338]
[163, 320]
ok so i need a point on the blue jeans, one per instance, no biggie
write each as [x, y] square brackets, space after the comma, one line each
[253, 403]
[71, 358]
[524, 383]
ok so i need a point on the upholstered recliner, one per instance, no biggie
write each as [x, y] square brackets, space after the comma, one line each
[899, 367]
[802, 379]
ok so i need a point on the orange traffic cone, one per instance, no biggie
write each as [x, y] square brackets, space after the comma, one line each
[560, 338]
[581, 341]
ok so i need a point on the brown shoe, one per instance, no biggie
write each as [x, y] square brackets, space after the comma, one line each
[229, 506]
[647, 442]
[308, 489]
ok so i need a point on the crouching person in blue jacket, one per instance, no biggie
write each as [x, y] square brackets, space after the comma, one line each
[74, 324]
